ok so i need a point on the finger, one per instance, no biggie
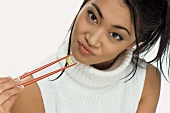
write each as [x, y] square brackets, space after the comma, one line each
[4, 79]
[8, 104]
[9, 93]
[9, 84]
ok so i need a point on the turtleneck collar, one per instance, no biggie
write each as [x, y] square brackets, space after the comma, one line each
[95, 78]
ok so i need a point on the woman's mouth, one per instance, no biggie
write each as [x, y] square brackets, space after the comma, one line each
[84, 49]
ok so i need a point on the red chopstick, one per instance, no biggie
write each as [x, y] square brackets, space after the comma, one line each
[42, 67]
[45, 75]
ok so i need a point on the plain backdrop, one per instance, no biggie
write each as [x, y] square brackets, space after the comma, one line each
[31, 30]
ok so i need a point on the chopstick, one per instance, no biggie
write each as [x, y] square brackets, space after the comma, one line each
[68, 59]
[42, 67]
[46, 75]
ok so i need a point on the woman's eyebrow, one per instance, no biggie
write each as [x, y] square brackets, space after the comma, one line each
[121, 27]
[101, 16]
[98, 10]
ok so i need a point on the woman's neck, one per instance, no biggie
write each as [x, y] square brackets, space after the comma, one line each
[105, 65]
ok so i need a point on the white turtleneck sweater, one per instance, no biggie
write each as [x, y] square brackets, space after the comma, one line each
[84, 89]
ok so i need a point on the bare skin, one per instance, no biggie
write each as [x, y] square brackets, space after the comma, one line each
[29, 100]
[8, 93]
[106, 40]
[101, 34]
[151, 91]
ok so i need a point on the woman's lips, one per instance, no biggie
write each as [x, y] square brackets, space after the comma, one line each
[84, 49]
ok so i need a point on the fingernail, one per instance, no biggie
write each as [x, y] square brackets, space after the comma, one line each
[21, 87]
[16, 80]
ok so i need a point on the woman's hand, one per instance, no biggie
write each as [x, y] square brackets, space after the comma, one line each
[9, 90]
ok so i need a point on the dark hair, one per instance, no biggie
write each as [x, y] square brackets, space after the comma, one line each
[152, 22]
[152, 25]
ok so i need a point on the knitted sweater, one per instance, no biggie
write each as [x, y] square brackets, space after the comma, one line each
[84, 89]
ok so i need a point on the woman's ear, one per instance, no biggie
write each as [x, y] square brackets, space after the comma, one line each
[131, 46]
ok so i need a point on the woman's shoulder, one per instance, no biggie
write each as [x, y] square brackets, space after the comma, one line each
[153, 77]
[151, 90]
[30, 100]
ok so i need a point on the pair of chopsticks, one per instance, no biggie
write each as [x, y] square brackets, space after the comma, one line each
[69, 62]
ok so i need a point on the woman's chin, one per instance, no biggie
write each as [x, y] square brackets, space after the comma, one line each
[82, 60]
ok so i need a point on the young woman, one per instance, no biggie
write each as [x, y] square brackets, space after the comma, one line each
[106, 39]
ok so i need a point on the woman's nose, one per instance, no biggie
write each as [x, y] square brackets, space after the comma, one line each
[95, 39]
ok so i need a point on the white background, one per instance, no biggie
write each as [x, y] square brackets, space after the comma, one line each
[31, 30]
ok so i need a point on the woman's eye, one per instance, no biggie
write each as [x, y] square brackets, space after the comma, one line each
[92, 16]
[116, 36]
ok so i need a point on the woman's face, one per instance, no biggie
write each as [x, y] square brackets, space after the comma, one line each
[103, 29]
